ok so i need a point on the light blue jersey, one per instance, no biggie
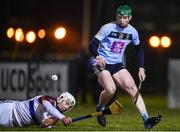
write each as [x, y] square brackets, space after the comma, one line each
[114, 40]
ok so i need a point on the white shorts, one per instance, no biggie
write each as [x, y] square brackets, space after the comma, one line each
[6, 108]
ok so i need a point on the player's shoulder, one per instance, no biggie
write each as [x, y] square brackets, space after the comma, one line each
[132, 28]
[110, 24]
[47, 98]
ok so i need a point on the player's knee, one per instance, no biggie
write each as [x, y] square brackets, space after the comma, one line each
[131, 88]
[111, 91]
[130, 85]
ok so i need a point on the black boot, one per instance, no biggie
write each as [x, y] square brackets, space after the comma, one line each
[101, 119]
[150, 122]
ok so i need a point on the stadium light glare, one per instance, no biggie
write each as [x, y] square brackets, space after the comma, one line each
[41, 33]
[19, 35]
[10, 32]
[30, 37]
[60, 33]
[154, 41]
[165, 42]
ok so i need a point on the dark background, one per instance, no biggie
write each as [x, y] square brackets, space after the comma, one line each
[149, 17]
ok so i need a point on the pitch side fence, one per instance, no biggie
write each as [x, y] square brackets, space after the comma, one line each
[22, 80]
[174, 84]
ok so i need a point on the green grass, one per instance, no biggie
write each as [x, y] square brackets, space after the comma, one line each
[129, 120]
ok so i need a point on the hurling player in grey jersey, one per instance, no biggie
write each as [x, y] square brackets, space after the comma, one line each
[108, 47]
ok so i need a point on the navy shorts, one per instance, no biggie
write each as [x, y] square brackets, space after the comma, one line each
[112, 68]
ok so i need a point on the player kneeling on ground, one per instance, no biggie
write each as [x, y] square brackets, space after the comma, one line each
[42, 110]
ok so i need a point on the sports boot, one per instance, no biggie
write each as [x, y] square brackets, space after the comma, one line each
[101, 119]
[150, 122]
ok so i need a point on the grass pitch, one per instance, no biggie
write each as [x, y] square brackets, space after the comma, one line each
[129, 120]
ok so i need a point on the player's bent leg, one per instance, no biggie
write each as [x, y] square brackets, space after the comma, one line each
[125, 80]
[109, 87]
[151, 122]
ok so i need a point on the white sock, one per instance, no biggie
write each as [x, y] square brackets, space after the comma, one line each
[142, 108]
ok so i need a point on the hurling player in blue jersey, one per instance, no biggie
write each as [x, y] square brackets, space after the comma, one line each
[108, 47]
